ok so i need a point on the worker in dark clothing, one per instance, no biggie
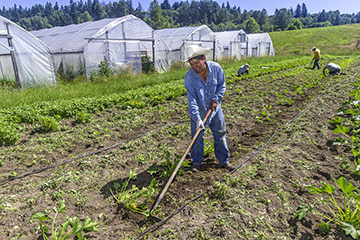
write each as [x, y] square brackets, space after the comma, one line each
[243, 70]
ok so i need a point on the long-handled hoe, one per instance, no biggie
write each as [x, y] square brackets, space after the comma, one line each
[178, 165]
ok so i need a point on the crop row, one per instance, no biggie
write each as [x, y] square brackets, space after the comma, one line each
[49, 113]
[343, 210]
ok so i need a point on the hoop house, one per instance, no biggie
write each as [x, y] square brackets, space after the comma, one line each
[24, 59]
[260, 44]
[234, 43]
[121, 41]
[178, 39]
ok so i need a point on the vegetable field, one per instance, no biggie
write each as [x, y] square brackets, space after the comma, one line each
[92, 167]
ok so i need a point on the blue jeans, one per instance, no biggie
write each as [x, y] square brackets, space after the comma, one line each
[316, 64]
[217, 126]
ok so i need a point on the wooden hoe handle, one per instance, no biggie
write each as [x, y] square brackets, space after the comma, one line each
[179, 164]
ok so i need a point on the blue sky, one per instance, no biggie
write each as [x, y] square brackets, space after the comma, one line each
[313, 6]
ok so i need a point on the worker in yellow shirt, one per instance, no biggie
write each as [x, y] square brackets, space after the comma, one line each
[316, 57]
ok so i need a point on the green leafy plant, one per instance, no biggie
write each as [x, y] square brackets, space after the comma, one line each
[9, 133]
[71, 228]
[147, 64]
[208, 148]
[82, 117]
[265, 112]
[153, 169]
[345, 214]
[336, 121]
[134, 199]
[168, 166]
[105, 69]
[354, 145]
[220, 190]
[284, 100]
[49, 123]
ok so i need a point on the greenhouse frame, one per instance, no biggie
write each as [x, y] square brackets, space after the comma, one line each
[24, 59]
[179, 39]
[234, 43]
[260, 44]
[122, 42]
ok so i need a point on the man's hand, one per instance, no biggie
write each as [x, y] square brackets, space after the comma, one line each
[213, 105]
[200, 124]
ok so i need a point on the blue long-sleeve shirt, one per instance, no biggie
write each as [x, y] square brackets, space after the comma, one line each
[201, 93]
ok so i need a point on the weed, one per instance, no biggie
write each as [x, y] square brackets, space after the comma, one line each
[220, 190]
[49, 124]
[345, 214]
[63, 232]
[284, 100]
[82, 117]
[132, 198]
[208, 148]
[9, 133]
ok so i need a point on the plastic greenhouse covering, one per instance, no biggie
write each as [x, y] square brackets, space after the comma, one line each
[260, 44]
[234, 43]
[178, 40]
[121, 41]
[24, 59]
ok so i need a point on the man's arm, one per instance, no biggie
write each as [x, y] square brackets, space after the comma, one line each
[191, 95]
[326, 67]
[220, 90]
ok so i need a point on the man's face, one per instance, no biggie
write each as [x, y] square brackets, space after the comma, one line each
[198, 65]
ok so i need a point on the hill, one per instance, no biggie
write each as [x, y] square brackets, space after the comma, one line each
[336, 40]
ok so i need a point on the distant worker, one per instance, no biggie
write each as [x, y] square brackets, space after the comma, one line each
[243, 70]
[316, 57]
[333, 68]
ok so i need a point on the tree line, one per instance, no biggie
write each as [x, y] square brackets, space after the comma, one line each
[179, 14]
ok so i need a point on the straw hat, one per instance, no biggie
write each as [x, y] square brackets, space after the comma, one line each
[195, 50]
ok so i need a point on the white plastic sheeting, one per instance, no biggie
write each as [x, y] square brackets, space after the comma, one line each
[234, 43]
[178, 40]
[122, 41]
[260, 44]
[24, 59]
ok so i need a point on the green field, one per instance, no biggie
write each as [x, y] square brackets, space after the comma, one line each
[105, 149]
[336, 40]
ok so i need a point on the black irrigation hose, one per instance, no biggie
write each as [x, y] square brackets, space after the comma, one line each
[198, 196]
[2, 182]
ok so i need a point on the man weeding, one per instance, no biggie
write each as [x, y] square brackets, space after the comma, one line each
[316, 57]
[333, 68]
[205, 85]
[243, 70]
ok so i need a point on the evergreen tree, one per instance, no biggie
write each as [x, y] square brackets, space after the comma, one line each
[304, 11]
[165, 5]
[156, 18]
[184, 14]
[263, 18]
[282, 19]
[357, 17]
[322, 16]
[297, 13]
[129, 4]
[181, 13]
[139, 12]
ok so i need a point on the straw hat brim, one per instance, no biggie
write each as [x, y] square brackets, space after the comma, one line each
[195, 50]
